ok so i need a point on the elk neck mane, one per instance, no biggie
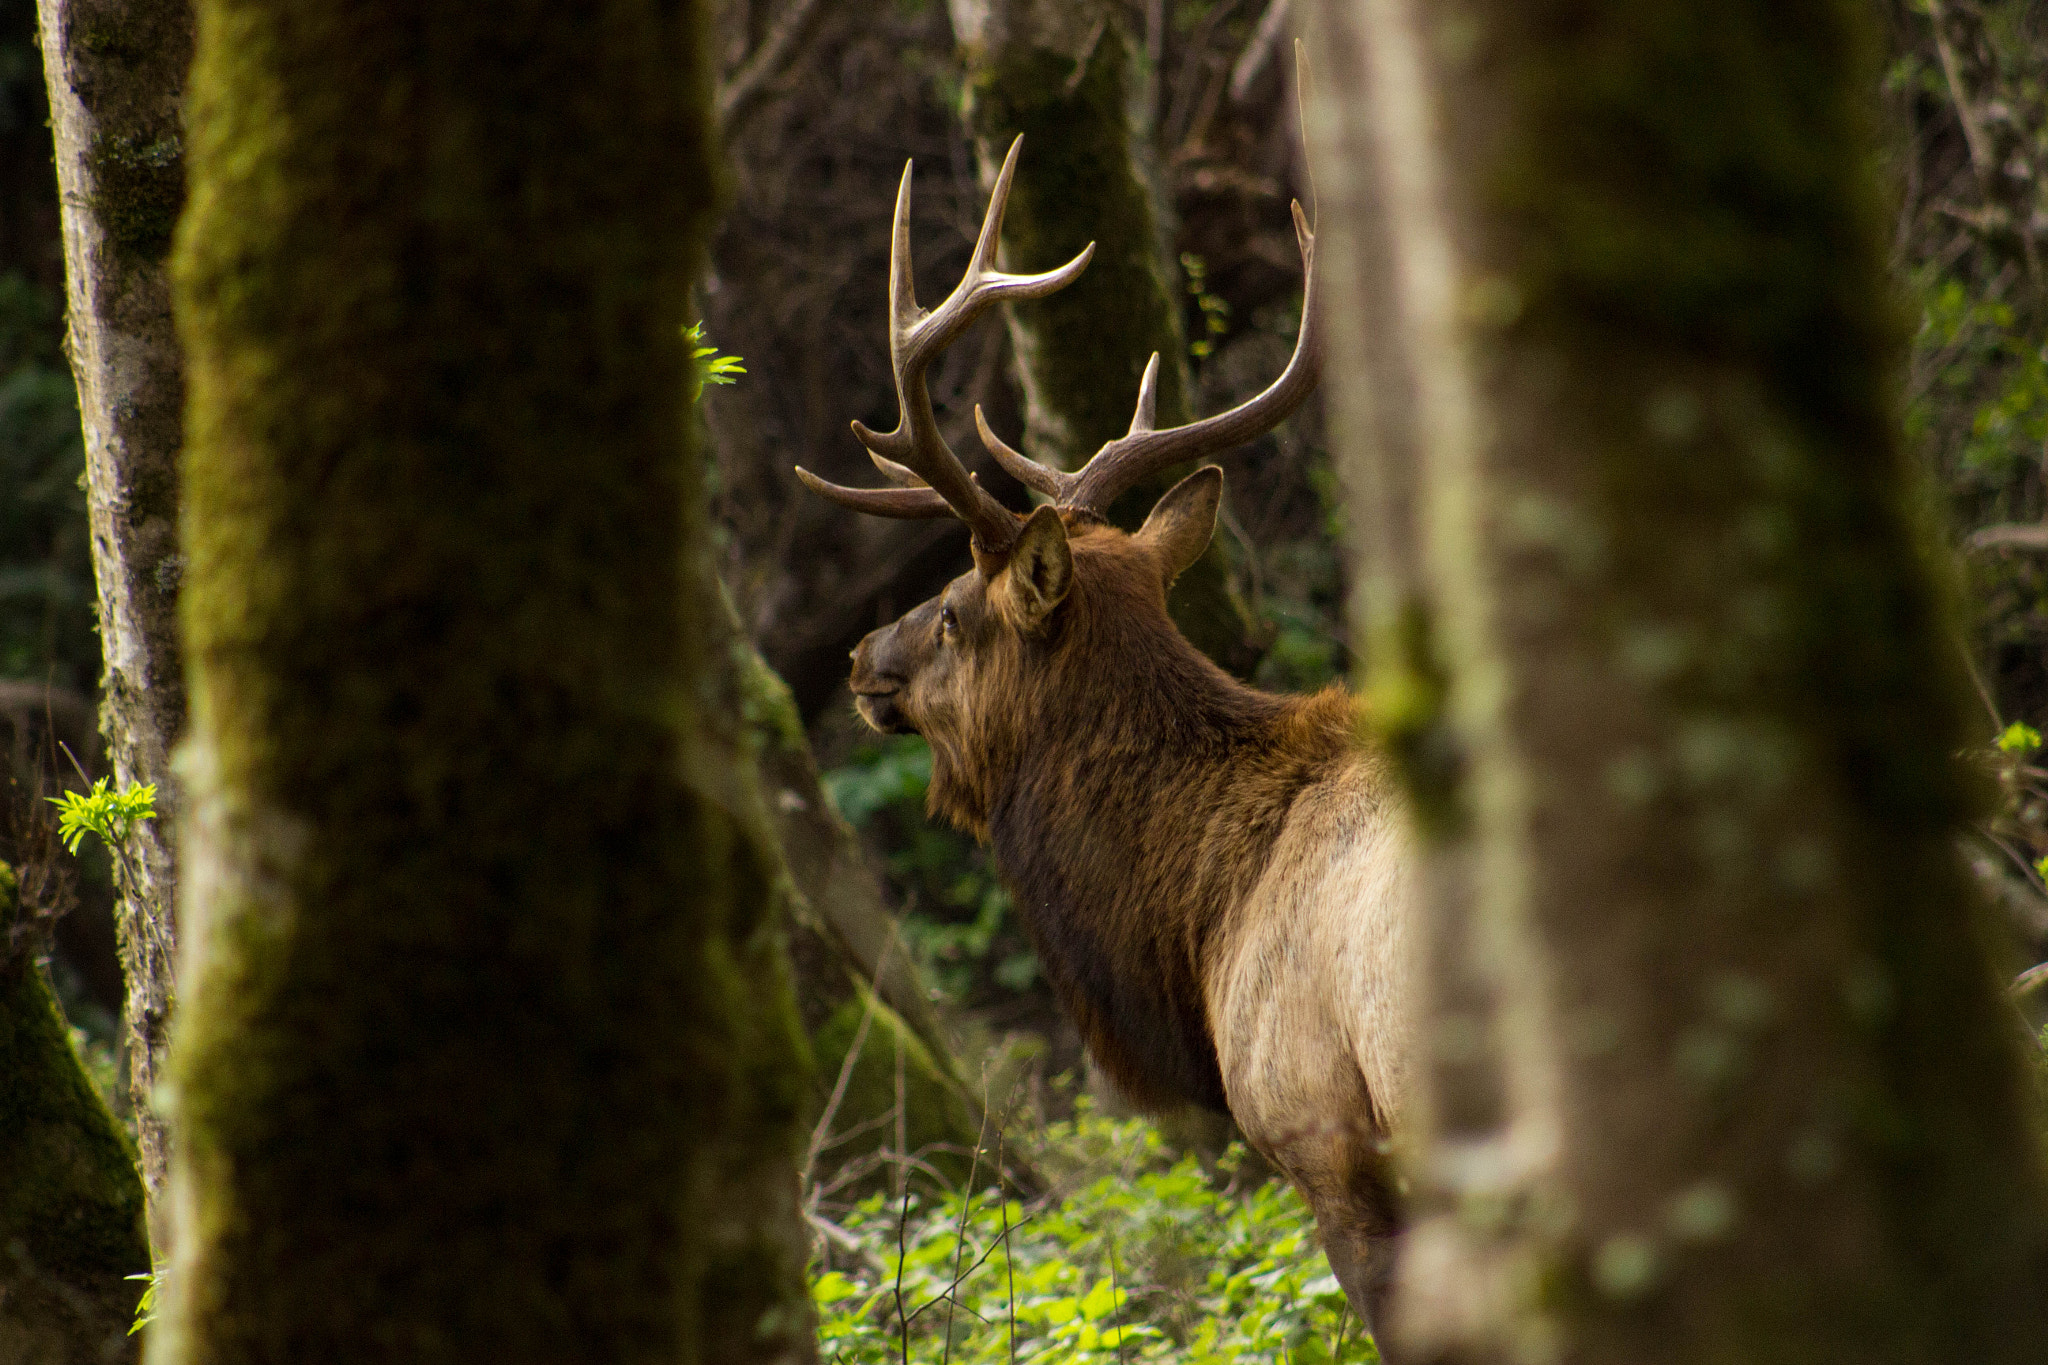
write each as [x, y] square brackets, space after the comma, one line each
[1133, 792]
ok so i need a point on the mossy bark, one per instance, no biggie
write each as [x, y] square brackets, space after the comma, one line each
[71, 1204]
[863, 1146]
[116, 76]
[486, 1049]
[1060, 75]
[843, 940]
[1685, 698]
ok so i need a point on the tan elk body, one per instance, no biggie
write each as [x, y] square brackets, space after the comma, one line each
[1213, 876]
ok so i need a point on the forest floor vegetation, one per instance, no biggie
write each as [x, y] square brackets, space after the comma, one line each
[1132, 1252]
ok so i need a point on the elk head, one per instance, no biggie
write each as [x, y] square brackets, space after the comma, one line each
[971, 668]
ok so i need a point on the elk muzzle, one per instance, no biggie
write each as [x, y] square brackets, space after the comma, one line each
[880, 676]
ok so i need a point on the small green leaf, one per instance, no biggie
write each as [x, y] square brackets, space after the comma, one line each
[706, 365]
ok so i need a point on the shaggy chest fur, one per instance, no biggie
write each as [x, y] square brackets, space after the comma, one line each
[1129, 854]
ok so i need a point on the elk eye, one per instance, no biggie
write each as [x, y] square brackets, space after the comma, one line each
[947, 621]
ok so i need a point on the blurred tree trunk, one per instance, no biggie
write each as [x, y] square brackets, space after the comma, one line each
[71, 1205]
[1613, 307]
[487, 1050]
[1061, 76]
[116, 75]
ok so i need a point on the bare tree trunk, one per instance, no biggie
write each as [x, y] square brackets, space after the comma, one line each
[116, 73]
[487, 1050]
[1734, 1080]
[71, 1226]
[1060, 75]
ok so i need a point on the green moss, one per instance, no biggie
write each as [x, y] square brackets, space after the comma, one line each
[1405, 688]
[104, 39]
[71, 1226]
[139, 191]
[488, 1038]
[939, 1128]
[1084, 348]
[770, 711]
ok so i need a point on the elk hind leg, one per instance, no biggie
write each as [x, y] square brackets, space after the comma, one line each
[1358, 1214]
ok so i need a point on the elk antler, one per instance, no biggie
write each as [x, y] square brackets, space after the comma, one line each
[929, 479]
[1129, 458]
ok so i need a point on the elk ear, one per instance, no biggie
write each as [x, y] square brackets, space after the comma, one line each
[1041, 568]
[1183, 521]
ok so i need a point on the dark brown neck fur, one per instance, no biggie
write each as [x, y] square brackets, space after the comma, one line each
[1133, 807]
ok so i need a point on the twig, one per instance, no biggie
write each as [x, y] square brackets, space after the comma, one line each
[834, 1235]
[859, 1130]
[824, 1124]
[948, 1291]
[750, 81]
[1186, 87]
[1973, 130]
[2026, 868]
[902, 1254]
[2009, 536]
[854, 1170]
[1116, 1306]
[1258, 51]
[960, 1231]
[902, 1123]
[1087, 55]
[1010, 1269]
[1977, 681]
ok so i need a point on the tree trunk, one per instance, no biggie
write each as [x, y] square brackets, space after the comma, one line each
[850, 962]
[487, 1049]
[71, 1227]
[116, 74]
[1060, 76]
[1690, 789]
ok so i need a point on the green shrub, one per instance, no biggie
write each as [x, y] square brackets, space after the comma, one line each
[957, 918]
[1135, 1256]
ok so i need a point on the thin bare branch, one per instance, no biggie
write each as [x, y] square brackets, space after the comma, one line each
[750, 82]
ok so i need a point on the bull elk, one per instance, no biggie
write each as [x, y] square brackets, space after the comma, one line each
[1213, 876]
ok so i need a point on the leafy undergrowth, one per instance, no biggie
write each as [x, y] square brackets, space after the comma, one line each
[1133, 1256]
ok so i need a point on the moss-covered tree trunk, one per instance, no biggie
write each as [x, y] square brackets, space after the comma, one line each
[486, 1050]
[1691, 788]
[71, 1225]
[856, 982]
[1061, 75]
[116, 73]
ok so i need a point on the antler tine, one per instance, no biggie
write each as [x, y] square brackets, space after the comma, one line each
[1148, 398]
[896, 473]
[915, 452]
[1022, 468]
[1126, 460]
[1057, 484]
[905, 503]
[902, 280]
